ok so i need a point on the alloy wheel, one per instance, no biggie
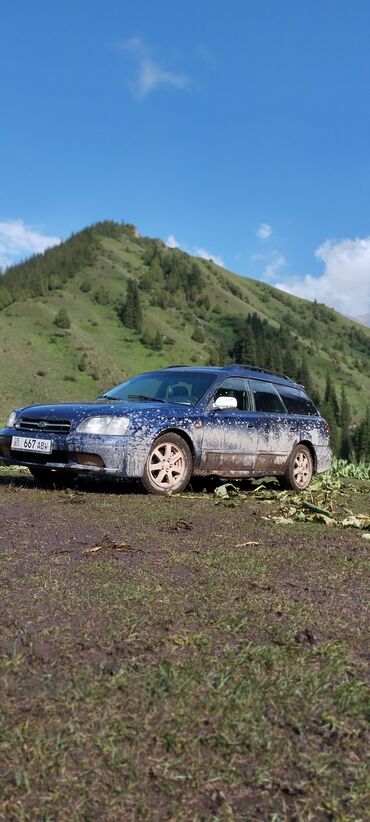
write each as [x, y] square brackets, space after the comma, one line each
[302, 469]
[167, 465]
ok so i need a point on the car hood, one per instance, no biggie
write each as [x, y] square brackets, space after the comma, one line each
[76, 412]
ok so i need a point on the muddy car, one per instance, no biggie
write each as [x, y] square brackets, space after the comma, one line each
[165, 426]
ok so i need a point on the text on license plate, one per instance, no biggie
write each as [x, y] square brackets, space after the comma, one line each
[31, 444]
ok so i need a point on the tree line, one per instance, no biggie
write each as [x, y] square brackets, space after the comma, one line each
[52, 269]
[348, 441]
[169, 273]
[255, 342]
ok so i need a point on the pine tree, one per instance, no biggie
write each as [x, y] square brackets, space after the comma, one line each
[363, 448]
[274, 358]
[316, 396]
[330, 412]
[335, 439]
[130, 312]
[344, 421]
[156, 269]
[157, 342]
[220, 354]
[289, 363]
[244, 349]
[147, 281]
[304, 376]
[330, 398]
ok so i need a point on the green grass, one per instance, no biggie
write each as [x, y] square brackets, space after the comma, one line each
[183, 674]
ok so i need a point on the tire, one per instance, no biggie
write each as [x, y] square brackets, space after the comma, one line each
[169, 465]
[299, 469]
[50, 477]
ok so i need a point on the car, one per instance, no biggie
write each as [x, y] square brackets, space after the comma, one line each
[164, 427]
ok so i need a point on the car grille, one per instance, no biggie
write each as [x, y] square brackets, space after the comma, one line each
[47, 426]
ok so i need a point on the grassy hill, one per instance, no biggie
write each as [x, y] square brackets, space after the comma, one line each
[193, 312]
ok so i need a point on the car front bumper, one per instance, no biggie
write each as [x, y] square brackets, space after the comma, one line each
[116, 456]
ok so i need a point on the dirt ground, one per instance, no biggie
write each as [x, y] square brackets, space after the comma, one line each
[180, 658]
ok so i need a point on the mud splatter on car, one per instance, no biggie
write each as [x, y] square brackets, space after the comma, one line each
[165, 426]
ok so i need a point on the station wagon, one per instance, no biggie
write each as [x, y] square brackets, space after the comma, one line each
[164, 427]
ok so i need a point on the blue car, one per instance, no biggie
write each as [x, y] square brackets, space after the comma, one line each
[165, 426]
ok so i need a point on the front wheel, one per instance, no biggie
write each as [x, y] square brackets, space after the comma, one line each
[300, 468]
[169, 465]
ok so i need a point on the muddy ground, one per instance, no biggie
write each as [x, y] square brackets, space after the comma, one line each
[177, 659]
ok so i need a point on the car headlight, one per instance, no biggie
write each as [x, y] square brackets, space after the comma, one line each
[110, 426]
[11, 420]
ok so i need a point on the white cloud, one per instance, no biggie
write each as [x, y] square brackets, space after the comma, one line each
[273, 262]
[264, 231]
[149, 74]
[171, 242]
[206, 255]
[196, 251]
[345, 283]
[19, 240]
[272, 268]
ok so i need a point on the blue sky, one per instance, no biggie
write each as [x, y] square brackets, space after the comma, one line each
[240, 130]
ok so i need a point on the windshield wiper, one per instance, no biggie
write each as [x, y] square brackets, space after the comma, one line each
[144, 398]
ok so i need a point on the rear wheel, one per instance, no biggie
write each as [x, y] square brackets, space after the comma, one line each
[169, 465]
[300, 468]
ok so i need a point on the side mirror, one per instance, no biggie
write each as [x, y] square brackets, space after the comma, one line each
[224, 403]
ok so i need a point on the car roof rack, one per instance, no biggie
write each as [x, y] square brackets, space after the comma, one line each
[259, 370]
[247, 367]
[204, 367]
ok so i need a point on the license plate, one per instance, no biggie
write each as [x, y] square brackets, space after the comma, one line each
[31, 444]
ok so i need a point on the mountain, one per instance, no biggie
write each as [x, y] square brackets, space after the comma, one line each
[108, 303]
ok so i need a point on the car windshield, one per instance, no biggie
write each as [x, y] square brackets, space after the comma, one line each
[179, 387]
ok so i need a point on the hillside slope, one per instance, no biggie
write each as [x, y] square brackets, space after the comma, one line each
[192, 312]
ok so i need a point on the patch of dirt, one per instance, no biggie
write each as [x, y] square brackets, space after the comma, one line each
[107, 584]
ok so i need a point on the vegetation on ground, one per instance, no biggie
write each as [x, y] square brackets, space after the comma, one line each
[181, 658]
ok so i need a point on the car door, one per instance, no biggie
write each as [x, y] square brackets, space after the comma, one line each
[277, 431]
[229, 435]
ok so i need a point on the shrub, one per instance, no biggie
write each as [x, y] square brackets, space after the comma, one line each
[101, 295]
[85, 285]
[198, 335]
[61, 319]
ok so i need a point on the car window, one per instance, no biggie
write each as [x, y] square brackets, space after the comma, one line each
[178, 387]
[296, 401]
[235, 387]
[266, 397]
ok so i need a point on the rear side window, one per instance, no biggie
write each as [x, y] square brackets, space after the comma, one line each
[266, 397]
[296, 401]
